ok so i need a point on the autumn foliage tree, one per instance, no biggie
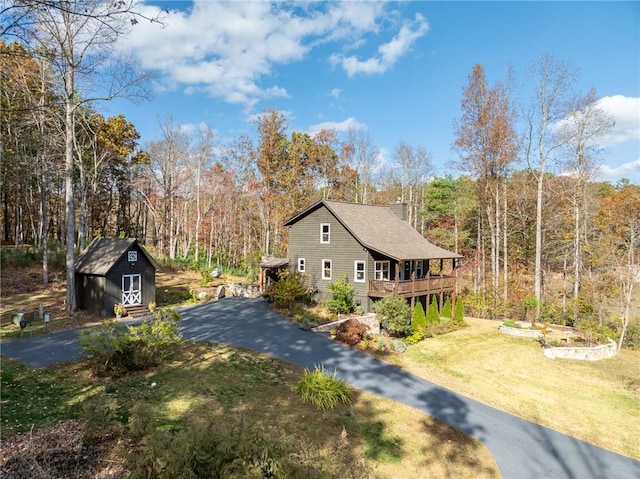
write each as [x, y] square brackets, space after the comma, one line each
[488, 145]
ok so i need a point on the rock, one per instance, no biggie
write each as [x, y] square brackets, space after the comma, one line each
[221, 292]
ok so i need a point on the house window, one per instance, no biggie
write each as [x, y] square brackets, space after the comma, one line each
[325, 236]
[358, 271]
[382, 270]
[419, 269]
[132, 256]
[301, 265]
[326, 269]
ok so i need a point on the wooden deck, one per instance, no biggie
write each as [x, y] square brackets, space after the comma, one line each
[419, 287]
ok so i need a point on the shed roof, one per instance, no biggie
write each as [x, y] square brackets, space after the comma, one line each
[102, 254]
[378, 228]
[274, 263]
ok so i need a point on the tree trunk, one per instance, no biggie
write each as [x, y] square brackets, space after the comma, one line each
[538, 261]
[69, 200]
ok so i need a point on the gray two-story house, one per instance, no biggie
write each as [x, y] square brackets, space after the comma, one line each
[378, 250]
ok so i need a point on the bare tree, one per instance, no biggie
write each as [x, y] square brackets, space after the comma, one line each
[415, 167]
[79, 38]
[361, 154]
[581, 132]
[549, 103]
[169, 170]
[204, 155]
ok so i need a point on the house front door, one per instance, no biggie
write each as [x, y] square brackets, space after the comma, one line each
[131, 289]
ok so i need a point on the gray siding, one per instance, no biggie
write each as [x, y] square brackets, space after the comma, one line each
[100, 293]
[343, 250]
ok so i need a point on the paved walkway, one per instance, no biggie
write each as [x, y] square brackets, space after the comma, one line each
[523, 450]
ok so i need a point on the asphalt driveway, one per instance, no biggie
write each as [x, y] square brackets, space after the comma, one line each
[523, 450]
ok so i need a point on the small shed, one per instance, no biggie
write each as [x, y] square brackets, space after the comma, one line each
[114, 270]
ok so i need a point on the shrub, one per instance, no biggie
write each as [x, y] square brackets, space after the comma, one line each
[343, 293]
[458, 314]
[351, 332]
[433, 316]
[632, 336]
[323, 391]
[205, 278]
[529, 303]
[443, 326]
[415, 337]
[446, 309]
[232, 446]
[289, 290]
[418, 320]
[394, 313]
[114, 350]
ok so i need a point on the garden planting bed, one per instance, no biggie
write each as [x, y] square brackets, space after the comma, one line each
[583, 353]
[524, 331]
[369, 319]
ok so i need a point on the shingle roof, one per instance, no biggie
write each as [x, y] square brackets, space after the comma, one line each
[378, 228]
[100, 256]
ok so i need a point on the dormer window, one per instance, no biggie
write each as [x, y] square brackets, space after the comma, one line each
[325, 233]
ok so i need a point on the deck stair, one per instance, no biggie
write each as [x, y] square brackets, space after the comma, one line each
[137, 311]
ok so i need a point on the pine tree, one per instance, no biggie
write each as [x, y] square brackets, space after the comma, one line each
[458, 317]
[446, 309]
[433, 316]
[419, 319]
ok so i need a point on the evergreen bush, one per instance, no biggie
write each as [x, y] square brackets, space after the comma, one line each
[394, 313]
[458, 316]
[446, 309]
[433, 315]
[418, 320]
[342, 293]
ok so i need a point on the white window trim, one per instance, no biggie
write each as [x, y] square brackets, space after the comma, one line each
[330, 268]
[322, 225]
[380, 270]
[301, 265]
[355, 271]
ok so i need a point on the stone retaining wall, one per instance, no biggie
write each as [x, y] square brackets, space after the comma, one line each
[594, 353]
[527, 333]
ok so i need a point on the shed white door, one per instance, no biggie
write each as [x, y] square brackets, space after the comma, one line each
[131, 289]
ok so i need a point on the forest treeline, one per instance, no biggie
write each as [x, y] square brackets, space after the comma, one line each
[69, 174]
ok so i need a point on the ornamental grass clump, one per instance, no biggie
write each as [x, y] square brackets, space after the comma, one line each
[323, 391]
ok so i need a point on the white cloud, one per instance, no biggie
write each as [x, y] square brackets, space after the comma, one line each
[349, 123]
[230, 49]
[629, 170]
[388, 53]
[626, 113]
[335, 93]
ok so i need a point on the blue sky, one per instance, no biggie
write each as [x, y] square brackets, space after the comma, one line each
[394, 69]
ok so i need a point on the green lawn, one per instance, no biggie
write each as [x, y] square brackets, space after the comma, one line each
[596, 401]
[397, 441]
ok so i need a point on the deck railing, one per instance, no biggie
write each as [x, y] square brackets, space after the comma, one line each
[429, 285]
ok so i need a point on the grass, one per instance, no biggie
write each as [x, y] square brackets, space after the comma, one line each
[596, 401]
[397, 440]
